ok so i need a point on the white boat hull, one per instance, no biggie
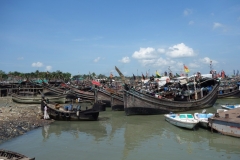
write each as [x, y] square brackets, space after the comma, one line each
[183, 123]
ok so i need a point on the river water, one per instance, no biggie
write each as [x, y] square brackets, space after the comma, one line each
[119, 137]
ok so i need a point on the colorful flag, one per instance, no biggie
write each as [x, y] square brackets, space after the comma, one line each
[223, 74]
[96, 83]
[186, 69]
[158, 75]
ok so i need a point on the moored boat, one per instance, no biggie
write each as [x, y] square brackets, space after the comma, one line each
[37, 99]
[229, 88]
[230, 106]
[112, 99]
[184, 99]
[227, 122]
[182, 120]
[203, 118]
[84, 110]
[8, 155]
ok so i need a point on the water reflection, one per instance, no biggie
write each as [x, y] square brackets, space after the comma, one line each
[58, 128]
[226, 143]
[116, 136]
[139, 129]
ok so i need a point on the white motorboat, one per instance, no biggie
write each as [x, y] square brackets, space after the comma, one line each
[182, 120]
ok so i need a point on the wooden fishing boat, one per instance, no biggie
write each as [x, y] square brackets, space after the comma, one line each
[229, 89]
[114, 100]
[230, 106]
[86, 95]
[8, 155]
[104, 96]
[204, 96]
[37, 99]
[181, 120]
[83, 110]
[203, 118]
[55, 90]
[227, 122]
[117, 102]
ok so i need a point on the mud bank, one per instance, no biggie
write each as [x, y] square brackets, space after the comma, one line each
[16, 119]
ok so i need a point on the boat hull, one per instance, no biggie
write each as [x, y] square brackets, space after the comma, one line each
[180, 123]
[230, 95]
[142, 104]
[5, 155]
[37, 100]
[90, 111]
[225, 127]
[113, 100]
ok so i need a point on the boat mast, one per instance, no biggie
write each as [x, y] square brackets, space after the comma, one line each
[211, 68]
[195, 91]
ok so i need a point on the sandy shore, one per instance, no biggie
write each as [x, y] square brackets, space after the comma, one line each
[16, 119]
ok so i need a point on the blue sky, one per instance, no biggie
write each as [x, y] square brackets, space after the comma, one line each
[137, 36]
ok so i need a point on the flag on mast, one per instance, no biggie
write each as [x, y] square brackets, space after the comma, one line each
[158, 75]
[186, 68]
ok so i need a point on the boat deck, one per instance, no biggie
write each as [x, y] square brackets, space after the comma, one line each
[232, 115]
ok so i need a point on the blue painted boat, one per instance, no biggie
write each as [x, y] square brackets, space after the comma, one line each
[203, 118]
[230, 106]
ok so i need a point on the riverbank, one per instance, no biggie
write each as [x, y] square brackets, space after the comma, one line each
[17, 119]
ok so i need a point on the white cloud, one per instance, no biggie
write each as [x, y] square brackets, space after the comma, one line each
[37, 64]
[144, 53]
[191, 22]
[161, 50]
[146, 62]
[217, 25]
[125, 60]
[187, 12]
[163, 62]
[48, 68]
[180, 50]
[97, 59]
[207, 60]
[194, 65]
[20, 58]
